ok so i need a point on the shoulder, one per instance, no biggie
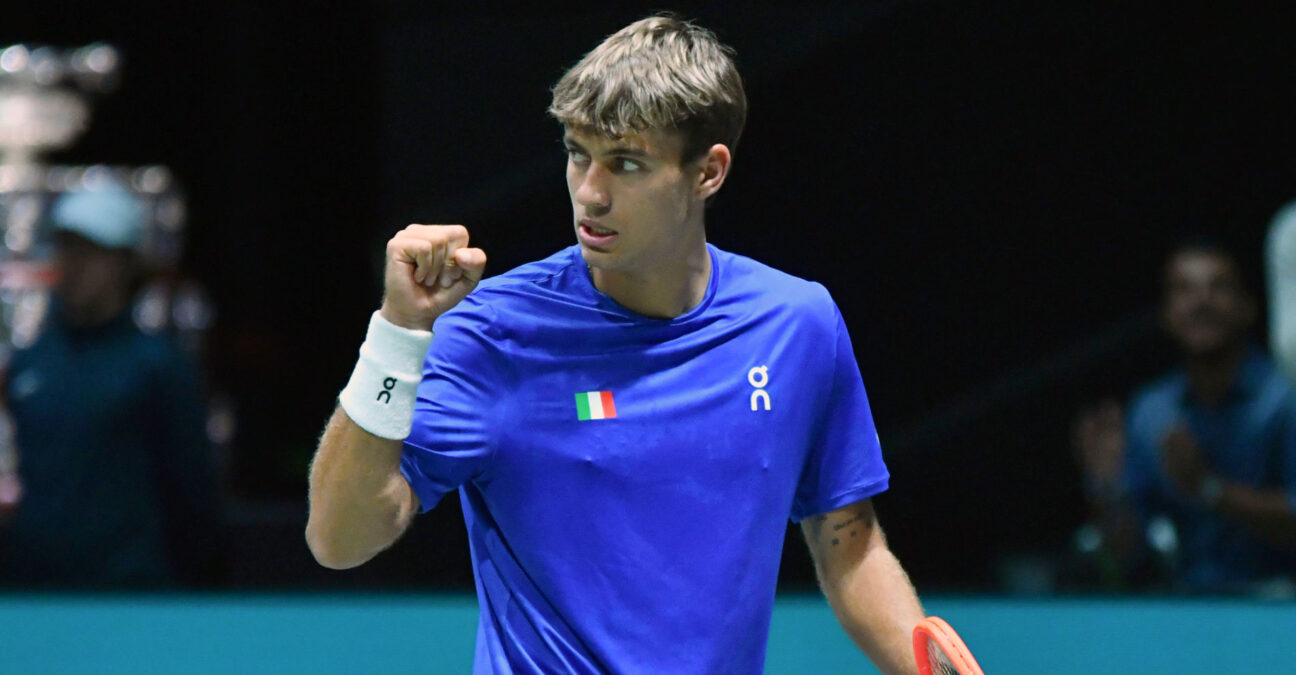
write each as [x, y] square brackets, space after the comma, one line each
[531, 276]
[1156, 404]
[1274, 391]
[512, 290]
[763, 287]
[486, 323]
[1168, 389]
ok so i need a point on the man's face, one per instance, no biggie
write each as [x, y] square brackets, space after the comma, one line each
[632, 202]
[91, 277]
[1206, 308]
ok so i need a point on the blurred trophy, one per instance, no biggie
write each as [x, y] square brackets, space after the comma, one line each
[45, 102]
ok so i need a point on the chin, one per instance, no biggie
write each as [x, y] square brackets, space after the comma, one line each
[1209, 348]
[600, 259]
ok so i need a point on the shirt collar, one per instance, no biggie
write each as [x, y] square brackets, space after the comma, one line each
[1248, 380]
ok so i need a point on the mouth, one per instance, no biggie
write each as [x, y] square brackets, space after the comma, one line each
[595, 235]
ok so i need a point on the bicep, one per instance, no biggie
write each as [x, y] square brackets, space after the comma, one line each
[840, 539]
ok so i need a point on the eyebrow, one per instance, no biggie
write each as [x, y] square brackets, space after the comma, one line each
[617, 150]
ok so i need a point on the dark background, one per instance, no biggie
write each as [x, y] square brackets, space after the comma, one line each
[987, 188]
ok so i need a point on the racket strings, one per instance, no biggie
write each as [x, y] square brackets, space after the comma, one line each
[941, 664]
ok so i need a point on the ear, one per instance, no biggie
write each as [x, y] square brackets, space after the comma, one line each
[713, 170]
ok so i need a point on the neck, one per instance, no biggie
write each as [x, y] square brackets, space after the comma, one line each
[665, 291]
[1210, 375]
[96, 314]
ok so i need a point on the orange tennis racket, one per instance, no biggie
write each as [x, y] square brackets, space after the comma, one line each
[940, 651]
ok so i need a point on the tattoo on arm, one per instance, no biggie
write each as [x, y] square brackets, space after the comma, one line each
[848, 522]
[860, 519]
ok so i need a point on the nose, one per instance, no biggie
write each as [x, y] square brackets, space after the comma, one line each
[591, 189]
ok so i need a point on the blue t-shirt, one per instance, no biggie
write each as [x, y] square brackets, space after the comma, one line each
[1249, 438]
[626, 480]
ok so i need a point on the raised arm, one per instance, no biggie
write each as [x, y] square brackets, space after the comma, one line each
[359, 502]
[865, 585]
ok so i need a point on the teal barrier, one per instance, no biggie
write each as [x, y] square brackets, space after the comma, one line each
[434, 634]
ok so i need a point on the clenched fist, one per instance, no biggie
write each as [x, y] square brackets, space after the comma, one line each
[429, 270]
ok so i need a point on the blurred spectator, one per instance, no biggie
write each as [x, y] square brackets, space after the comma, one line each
[115, 484]
[1211, 446]
[1280, 261]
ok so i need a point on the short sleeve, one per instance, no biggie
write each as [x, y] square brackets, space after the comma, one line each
[844, 464]
[451, 440]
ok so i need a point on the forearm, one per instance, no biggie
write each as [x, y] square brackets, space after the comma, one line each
[1268, 513]
[360, 503]
[865, 585]
[877, 605]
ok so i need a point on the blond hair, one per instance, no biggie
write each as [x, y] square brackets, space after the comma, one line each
[657, 73]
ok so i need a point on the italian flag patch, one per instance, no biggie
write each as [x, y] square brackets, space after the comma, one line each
[595, 405]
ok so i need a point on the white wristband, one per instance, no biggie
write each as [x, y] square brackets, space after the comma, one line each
[380, 396]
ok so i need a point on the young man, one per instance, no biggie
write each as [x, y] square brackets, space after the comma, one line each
[631, 421]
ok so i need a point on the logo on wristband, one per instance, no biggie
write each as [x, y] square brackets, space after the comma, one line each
[385, 395]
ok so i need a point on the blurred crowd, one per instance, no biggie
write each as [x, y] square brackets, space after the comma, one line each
[1191, 484]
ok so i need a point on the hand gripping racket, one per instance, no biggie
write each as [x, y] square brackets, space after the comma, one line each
[940, 651]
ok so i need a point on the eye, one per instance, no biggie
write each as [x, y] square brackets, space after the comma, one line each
[627, 165]
[577, 156]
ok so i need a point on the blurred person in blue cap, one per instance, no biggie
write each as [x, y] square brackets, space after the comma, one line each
[118, 481]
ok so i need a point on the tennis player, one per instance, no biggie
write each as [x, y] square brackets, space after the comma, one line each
[629, 422]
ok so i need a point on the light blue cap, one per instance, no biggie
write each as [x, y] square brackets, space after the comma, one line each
[109, 216]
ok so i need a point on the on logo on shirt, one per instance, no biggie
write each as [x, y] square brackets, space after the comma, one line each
[758, 377]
